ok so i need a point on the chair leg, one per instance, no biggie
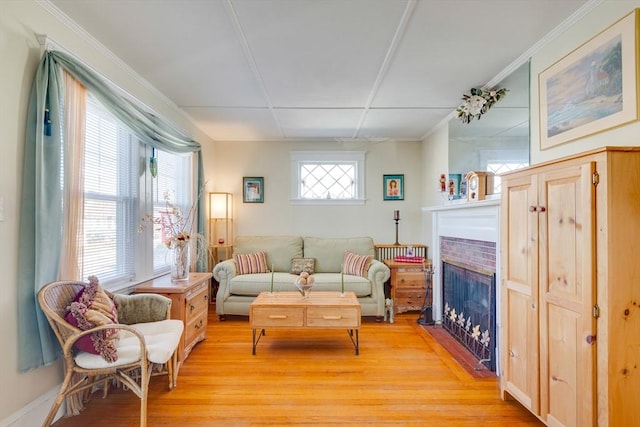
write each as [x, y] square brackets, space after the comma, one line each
[145, 376]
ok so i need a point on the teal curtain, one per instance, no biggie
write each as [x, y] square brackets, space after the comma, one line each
[41, 207]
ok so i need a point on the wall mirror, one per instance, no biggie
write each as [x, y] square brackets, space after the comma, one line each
[499, 141]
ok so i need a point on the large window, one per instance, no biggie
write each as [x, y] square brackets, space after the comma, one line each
[118, 190]
[327, 177]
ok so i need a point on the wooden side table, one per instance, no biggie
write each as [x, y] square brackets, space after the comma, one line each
[189, 303]
[408, 285]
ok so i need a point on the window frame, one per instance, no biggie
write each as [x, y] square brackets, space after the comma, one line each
[298, 158]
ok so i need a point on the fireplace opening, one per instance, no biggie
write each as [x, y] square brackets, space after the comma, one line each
[469, 310]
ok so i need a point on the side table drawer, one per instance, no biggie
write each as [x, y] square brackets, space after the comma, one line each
[408, 300]
[410, 279]
[333, 317]
[195, 327]
[269, 317]
[197, 303]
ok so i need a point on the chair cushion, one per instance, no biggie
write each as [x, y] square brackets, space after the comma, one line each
[92, 307]
[161, 338]
[357, 265]
[251, 263]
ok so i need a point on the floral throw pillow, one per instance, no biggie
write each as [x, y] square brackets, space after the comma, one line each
[92, 307]
[356, 265]
[251, 263]
[298, 265]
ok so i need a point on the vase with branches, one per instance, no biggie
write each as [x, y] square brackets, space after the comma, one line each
[177, 235]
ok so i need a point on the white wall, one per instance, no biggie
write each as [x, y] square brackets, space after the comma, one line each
[26, 396]
[435, 158]
[593, 23]
[277, 215]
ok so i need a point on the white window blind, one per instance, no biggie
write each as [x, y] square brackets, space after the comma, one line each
[119, 191]
[170, 183]
[111, 193]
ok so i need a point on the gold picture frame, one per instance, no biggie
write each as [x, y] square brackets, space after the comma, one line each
[593, 88]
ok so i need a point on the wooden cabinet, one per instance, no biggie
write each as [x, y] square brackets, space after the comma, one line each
[570, 299]
[408, 285]
[189, 302]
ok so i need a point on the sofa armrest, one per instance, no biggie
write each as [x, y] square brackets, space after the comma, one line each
[378, 274]
[223, 272]
[142, 308]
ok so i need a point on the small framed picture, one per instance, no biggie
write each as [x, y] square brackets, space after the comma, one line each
[253, 189]
[393, 187]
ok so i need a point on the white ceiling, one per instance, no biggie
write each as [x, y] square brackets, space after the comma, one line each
[321, 69]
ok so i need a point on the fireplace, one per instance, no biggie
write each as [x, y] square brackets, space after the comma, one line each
[469, 310]
[466, 234]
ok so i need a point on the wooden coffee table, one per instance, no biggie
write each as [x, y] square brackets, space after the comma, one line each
[321, 310]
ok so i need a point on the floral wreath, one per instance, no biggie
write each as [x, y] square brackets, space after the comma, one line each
[478, 103]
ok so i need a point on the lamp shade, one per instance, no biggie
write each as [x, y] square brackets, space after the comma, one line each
[220, 205]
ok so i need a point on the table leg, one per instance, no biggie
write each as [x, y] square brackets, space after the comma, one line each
[256, 339]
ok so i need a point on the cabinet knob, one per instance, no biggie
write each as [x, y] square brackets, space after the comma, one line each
[542, 209]
[591, 339]
[511, 353]
[533, 208]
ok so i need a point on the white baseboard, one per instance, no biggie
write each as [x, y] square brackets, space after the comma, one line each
[35, 412]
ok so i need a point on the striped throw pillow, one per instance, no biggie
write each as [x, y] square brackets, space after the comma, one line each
[356, 265]
[251, 263]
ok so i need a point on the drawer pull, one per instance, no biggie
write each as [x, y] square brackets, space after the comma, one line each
[277, 316]
[332, 317]
[192, 307]
[200, 324]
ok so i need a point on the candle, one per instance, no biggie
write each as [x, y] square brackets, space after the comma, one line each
[271, 278]
[396, 215]
[342, 277]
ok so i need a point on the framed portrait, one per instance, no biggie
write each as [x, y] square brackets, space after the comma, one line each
[393, 187]
[253, 189]
[593, 88]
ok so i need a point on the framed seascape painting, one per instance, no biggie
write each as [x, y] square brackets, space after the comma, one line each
[253, 189]
[593, 88]
[393, 187]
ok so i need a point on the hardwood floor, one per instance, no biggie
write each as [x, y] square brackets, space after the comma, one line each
[401, 377]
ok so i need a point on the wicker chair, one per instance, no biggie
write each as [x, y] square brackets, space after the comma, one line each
[151, 341]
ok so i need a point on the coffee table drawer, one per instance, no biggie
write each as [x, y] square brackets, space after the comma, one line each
[263, 317]
[339, 317]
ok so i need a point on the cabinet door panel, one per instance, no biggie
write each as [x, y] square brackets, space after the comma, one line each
[566, 296]
[519, 234]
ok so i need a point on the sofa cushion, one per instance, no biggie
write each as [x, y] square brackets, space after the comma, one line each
[298, 265]
[251, 263]
[355, 264]
[329, 252]
[279, 249]
[253, 284]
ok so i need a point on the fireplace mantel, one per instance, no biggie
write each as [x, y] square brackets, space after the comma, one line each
[479, 220]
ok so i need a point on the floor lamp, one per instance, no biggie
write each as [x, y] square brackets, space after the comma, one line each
[220, 225]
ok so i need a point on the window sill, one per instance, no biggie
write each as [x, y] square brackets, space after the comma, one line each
[327, 202]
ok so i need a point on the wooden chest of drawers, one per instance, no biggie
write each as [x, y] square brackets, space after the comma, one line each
[408, 285]
[189, 303]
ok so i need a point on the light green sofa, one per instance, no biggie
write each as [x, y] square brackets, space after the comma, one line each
[236, 292]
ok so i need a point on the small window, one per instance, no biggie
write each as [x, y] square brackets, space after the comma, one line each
[320, 177]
